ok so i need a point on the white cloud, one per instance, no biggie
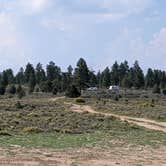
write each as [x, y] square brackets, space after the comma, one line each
[11, 46]
[156, 49]
[158, 43]
[130, 6]
[34, 6]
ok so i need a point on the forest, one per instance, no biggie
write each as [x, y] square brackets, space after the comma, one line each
[54, 80]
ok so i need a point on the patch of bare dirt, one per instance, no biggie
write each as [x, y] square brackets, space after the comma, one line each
[123, 156]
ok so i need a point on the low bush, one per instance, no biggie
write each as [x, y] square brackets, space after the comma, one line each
[4, 133]
[18, 105]
[32, 130]
[72, 92]
[164, 91]
[11, 89]
[156, 89]
[80, 100]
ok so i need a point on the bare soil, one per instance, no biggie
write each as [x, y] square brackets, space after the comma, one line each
[123, 156]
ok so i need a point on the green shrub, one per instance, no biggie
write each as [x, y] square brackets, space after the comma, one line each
[116, 97]
[37, 88]
[54, 91]
[46, 86]
[80, 100]
[32, 130]
[11, 89]
[164, 91]
[20, 92]
[156, 89]
[2, 90]
[4, 133]
[72, 92]
[18, 105]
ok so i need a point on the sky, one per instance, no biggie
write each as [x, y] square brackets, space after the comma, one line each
[100, 31]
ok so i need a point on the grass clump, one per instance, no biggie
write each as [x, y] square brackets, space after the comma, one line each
[80, 100]
[32, 130]
[5, 133]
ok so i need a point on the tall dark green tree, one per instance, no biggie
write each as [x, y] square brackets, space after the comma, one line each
[115, 74]
[81, 74]
[70, 74]
[40, 73]
[92, 79]
[10, 76]
[106, 78]
[123, 71]
[32, 82]
[53, 72]
[4, 79]
[138, 80]
[29, 70]
[65, 81]
[20, 78]
[149, 79]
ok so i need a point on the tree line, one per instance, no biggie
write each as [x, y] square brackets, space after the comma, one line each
[53, 79]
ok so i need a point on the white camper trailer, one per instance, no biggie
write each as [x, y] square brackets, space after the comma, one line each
[114, 88]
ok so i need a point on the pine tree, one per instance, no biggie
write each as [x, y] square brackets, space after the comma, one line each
[20, 78]
[149, 79]
[123, 71]
[106, 78]
[138, 80]
[4, 79]
[115, 74]
[81, 74]
[10, 76]
[29, 70]
[32, 82]
[92, 79]
[40, 73]
[53, 72]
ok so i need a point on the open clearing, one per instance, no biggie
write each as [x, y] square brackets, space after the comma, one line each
[60, 132]
[124, 156]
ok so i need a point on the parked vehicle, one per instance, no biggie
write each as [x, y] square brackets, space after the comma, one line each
[92, 89]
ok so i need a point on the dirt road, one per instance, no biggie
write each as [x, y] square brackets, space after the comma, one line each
[150, 124]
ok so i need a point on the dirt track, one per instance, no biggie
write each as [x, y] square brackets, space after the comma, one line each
[150, 124]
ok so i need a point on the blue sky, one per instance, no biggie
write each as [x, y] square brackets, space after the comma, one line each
[101, 31]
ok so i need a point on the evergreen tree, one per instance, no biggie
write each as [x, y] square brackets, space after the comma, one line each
[123, 71]
[20, 92]
[40, 73]
[46, 86]
[29, 70]
[10, 76]
[70, 74]
[106, 78]
[72, 92]
[32, 82]
[115, 74]
[81, 74]
[65, 81]
[138, 80]
[92, 79]
[4, 79]
[149, 79]
[20, 79]
[53, 72]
